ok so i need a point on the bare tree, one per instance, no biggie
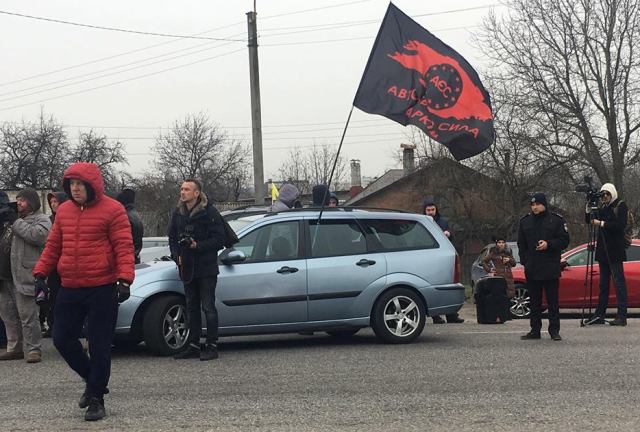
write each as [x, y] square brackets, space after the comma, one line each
[195, 147]
[33, 154]
[313, 167]
[574, 69]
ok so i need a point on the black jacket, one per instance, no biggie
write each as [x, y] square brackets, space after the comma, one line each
[137, 230]
[551, 227]
[204, 224]
[610, 244]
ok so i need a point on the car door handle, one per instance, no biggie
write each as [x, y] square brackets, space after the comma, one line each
[365, 262]
[286, 269]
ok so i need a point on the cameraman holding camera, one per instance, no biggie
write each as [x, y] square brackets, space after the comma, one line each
[196, 234]
[611, 218]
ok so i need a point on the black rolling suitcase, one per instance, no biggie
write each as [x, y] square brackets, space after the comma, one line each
[492, 303]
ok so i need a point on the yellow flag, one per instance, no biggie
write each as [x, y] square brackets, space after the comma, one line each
[274, 192]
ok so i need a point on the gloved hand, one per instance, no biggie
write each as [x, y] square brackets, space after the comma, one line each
[124, 291]
[42, 290]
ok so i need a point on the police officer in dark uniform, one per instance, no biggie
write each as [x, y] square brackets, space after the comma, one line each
[542, 236]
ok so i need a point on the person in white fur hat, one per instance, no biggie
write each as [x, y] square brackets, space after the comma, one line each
[611, 220]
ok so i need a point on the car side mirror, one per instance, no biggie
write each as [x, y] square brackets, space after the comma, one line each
[564, 265]
[233, 257]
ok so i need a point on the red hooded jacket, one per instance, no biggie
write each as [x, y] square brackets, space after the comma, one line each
[90, 244]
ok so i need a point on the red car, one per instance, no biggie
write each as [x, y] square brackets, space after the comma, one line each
[572, 282]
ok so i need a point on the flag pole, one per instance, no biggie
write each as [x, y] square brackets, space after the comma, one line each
[333, 168]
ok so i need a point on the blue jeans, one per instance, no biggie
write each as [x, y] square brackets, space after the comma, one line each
[201, 293]
[615, 270]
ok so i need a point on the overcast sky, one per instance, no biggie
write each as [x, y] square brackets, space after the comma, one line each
[129, 86]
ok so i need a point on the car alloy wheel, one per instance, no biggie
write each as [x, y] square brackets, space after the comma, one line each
[520, 303]
[164, 325]
[174, 327]
[401, 316]
[398, 316]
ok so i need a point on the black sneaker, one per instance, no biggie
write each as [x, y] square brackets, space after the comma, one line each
[96, 409]
[595, 320]
[530, 336]
[84, 399]
[556, 337]
[438, 319]
[192, 351]
[618, 322]
[209, 352]
[455, 319]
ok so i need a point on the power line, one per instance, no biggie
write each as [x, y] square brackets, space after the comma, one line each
[294, 147]
[232, 138]
[121, 66]
[227, 127]
[312, 28]
[115, 29]
[314, 9]
[100, 76]
[330, 25]
[164, 43]
[334, 25]
[113, 56]
[372, 36]
[461, 10]
[121, 81]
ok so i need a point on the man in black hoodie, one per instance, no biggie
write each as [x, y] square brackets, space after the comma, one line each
[127, 198]
[429, 208]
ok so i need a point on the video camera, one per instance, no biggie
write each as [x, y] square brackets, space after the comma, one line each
[591, 192]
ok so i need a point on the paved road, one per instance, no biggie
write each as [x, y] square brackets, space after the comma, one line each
[464, 377]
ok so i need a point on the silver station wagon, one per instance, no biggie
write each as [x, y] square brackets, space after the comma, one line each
[358, 268]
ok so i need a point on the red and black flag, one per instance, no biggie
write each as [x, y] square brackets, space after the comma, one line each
[412, 77]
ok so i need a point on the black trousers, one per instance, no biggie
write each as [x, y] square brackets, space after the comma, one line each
[607, 272]
[550, 288]
[99, 305]
[201, 294]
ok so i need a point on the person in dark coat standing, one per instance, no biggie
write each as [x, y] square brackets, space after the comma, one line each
[54, 199]
[542, 236]
[127, 198]
[196, 234]
[429, 208]
[611, 220]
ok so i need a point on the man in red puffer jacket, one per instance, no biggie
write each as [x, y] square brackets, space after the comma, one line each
[91, 247]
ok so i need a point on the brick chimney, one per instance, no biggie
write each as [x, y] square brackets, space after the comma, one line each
[356, 178]
[408, 164]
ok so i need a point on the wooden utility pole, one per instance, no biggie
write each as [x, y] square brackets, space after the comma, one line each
[256, 117]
